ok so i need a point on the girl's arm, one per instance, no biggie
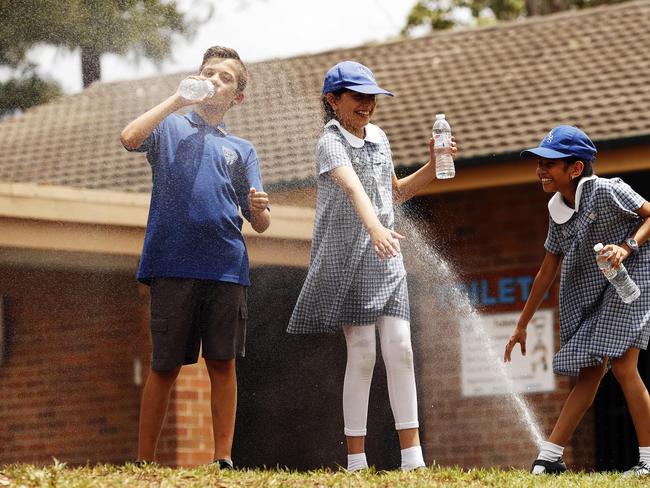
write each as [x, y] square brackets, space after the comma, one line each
[385, 242]
[543, 281]
[641, 235]
[405, 188]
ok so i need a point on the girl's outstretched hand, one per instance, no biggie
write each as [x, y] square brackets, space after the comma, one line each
[518, 337]
[385, 242]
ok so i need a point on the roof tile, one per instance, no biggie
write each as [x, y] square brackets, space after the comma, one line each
[501, 87]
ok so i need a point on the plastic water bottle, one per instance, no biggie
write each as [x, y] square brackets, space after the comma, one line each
[442, 148]
[626, 288]
[193, 89]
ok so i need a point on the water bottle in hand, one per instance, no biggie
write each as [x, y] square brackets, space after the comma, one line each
[626, 288]
[442, 148]
[196, 90]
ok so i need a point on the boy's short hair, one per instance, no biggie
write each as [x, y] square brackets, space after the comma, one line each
[227, 53]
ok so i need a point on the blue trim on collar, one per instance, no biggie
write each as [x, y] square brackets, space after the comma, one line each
[197, 121]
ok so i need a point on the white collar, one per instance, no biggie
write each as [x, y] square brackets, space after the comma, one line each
[373, 134]
[559, 210]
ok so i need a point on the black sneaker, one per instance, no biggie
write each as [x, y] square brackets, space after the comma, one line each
[139, 463]
[224, 463]
[641, 469]
[548, 467]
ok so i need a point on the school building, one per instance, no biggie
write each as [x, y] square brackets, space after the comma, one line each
[74, 336]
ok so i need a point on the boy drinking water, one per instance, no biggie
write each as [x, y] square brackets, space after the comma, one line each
[194, 256]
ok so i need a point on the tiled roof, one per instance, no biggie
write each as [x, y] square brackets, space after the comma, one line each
[501, 87]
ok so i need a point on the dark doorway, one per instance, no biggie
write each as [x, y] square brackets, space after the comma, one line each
[290, 388]
[617, 447]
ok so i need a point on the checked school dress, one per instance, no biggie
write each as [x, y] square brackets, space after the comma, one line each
[347, 284]
[594, 321]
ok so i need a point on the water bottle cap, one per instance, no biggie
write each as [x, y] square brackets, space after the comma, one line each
[440, 116]
[598, 247]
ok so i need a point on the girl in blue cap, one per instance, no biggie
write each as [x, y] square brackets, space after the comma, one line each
[597, 330]
[356, 280]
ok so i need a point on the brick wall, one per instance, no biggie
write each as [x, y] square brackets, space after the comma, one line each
[66, 387]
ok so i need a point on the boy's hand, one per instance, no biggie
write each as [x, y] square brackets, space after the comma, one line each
[385, 242]
[258, 201]
[181, 100]
[518, 337]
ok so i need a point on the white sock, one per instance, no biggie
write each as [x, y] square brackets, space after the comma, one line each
[357, 461]
[644, 455]
[412, 458]
[550, 452]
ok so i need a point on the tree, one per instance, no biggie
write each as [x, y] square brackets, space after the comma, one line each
[144, 27]
[24, 92]
[439, 14]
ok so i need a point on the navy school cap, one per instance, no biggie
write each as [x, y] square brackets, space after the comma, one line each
[353, 76]
[564, 141]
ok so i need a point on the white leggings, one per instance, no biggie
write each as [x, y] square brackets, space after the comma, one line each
[395, 338]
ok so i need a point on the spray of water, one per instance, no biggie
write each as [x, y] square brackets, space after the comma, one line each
[429, 259]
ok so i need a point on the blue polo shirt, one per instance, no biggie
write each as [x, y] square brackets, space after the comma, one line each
[201, 177]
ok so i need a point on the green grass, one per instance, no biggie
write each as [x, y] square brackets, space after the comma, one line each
[59, 475]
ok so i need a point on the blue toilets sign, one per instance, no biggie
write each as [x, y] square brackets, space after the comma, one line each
[501, 291]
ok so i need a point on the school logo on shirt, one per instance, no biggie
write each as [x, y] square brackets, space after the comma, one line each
[230, 155]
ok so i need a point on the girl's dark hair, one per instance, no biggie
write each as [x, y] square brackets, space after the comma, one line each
[588, 169]
[328, 111]
[227, 53]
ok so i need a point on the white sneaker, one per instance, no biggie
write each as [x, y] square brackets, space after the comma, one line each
[641, 469]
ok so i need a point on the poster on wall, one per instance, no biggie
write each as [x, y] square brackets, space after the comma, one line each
[483, 371]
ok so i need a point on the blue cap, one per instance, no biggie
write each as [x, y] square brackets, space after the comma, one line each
[564, 141]
[353, 76]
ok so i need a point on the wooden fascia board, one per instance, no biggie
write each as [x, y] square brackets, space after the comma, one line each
[608, 163]
[105, 208]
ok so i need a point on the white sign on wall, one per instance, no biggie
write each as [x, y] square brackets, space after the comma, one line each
[483, 373]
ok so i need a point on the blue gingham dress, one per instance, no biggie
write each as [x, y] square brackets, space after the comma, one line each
[594, 321]
[347, 284]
